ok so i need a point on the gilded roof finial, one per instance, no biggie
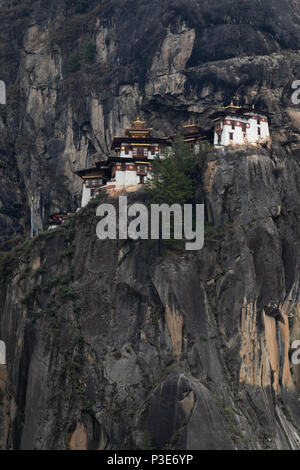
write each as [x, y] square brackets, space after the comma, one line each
[138, 124]
[232, 105]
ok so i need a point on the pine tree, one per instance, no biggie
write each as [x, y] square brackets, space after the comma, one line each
[88, 51]
[73, 62]
[173, 177]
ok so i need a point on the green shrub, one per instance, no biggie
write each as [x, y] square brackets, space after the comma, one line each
[88, 51]
[147, 442]
[73, 62]
[67, 294]
[69, 251]
[76, 309]
[228, 412]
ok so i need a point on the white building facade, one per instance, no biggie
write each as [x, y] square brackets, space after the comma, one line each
[92, 182]
[136, 168]
[133, 156]
[86, 194]
[130, 163]
[248, 128]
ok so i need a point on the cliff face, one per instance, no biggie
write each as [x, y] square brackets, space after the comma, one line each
[78, 71]
[110, 345]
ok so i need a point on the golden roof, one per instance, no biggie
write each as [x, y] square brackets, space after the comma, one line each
[138, 124]
[232, 105]
[138, 128]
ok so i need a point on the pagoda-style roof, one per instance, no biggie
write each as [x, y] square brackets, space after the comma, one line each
[194, 132]
[138, 129]
[235, 110]
[191, 130]
[94, 172]
[229, 111]
[118, 141]
[138, 133]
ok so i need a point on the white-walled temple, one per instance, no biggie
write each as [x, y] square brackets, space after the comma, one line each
[132, 154]
[129, 163]
[93, 180]
[239, 125]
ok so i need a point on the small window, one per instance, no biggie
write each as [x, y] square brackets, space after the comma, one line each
[141, 170]
[140, 152]
[231, 135]
[93, 183]
[259, 131]
[232, 125]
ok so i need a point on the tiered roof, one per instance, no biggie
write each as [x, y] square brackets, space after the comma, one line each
[138, 134]
[192, 132]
